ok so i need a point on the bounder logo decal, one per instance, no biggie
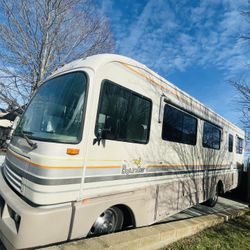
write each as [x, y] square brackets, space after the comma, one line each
[135, 169]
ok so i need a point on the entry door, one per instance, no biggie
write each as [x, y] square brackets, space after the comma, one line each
[121, 134]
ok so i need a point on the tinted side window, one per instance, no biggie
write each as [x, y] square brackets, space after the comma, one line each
[239, 145]
[179, 126]
[123, 115]
[211, 136]
[230, 143]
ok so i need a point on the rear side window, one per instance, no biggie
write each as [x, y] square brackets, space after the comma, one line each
[239, 145]
[211, 136]
[230, 143]
[123, 115]
[178, 126]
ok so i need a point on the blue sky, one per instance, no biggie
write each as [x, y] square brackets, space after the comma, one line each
[193, 44]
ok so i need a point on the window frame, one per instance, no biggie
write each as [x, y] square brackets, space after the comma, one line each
[183, 111]
[230, 149]
[239, 150]
[83, 117]
[134, 93]
[215, 126]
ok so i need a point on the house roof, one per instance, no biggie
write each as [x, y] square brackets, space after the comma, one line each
[5, 123]
[2, 114]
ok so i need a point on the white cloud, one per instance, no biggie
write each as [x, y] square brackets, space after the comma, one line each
[170, 36]
[174, 37]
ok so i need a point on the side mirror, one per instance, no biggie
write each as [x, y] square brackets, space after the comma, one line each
[98, 137]
[101, 135]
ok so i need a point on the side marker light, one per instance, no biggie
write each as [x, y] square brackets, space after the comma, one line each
[73, 151]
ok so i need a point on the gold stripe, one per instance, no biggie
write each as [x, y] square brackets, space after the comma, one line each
[42, 166]
[186, 165]
[55, 167]
[13, 148]
[112, 166]
[103, 166]
[101, 160]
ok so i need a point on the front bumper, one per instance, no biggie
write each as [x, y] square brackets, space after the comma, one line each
[38, 226]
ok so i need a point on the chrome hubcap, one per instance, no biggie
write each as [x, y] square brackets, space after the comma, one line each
[105, 223]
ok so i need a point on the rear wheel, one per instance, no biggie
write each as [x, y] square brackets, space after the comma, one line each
[211, 202]
[109, 221]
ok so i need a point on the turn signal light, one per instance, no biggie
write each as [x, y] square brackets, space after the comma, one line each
[73, 151]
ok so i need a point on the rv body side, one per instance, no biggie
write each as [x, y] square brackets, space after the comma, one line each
[148, 177]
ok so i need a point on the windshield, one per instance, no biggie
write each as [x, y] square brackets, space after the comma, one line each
[56, 112]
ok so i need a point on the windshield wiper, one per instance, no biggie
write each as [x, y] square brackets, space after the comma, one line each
[32, 144]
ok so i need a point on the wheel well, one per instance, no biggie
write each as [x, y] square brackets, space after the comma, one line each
[129, 219]
[220, 187]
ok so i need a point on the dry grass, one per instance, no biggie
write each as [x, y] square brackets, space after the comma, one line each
[232, 235]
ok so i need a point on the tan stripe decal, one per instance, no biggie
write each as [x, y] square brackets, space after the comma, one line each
[187, 165]
[43, 166]
[179, 97]
[162, 86]
[56, 167]
[147, 78]
[110, 166]
[103, 166]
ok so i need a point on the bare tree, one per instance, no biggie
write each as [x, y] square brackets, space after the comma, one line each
[243, 87]
[246, 13]
[36, 36]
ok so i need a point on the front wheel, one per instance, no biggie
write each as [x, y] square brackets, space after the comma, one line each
[109, 221]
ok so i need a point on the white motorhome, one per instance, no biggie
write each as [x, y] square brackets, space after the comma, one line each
[106, 144]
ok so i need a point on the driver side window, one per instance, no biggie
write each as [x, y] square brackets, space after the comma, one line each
[123, 114]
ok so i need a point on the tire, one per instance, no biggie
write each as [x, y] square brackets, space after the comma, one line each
[110, 221]
[211, 202]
